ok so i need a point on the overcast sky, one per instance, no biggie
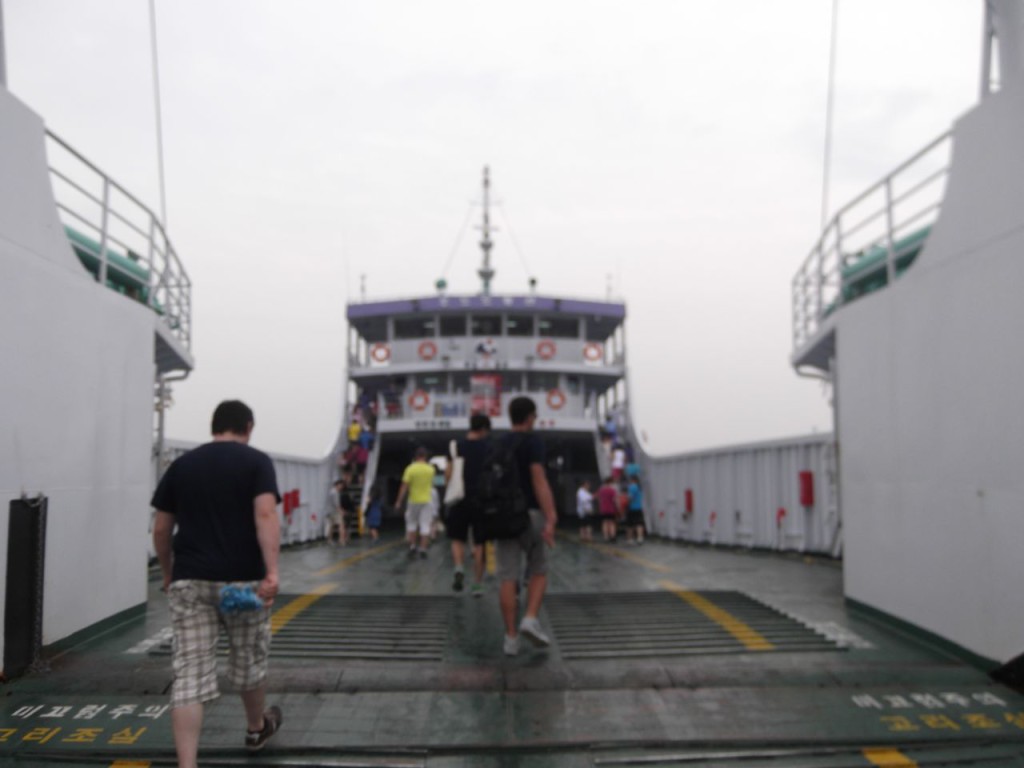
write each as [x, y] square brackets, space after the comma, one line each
[674, 145]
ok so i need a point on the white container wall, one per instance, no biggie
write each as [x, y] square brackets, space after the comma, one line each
[748, 496]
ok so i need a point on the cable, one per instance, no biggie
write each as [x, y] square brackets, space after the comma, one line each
[512, 237]
[159, 118]
[829, 108]
[458, 241]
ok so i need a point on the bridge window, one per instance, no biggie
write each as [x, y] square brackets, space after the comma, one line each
[600, 328]
[537, 381]
[485, 325]
[560, 327]
[432, 382]
[453, 325]
[414, 327]
[519, 325]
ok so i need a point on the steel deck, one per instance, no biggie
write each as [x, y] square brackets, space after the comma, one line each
[662, 655]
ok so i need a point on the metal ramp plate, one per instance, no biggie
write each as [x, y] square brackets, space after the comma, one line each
[674, 623]
[392, 628]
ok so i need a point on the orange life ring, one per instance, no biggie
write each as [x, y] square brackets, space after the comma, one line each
[546, 349]
[556, 399]
[381, 353]
[419, 400]
[593, 352]
[428, 350]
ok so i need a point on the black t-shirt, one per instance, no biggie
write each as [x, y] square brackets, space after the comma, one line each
[473, 453]
[210, 492]
[530, 451]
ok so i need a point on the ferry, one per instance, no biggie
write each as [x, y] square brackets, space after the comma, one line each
[419, 367]
[844, 599]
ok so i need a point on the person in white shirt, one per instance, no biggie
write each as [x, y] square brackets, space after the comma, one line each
[585, 510]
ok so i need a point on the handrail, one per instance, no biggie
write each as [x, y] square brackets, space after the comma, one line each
[84, 198]
[916, 186]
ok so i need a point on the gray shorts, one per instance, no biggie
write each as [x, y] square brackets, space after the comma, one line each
[531, 544]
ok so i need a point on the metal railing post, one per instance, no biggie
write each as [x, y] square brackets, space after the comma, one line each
[890, 258]
[104, 224]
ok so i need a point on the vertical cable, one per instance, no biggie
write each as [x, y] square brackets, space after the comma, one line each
[159, 118]
[3, 65]
[829, 107]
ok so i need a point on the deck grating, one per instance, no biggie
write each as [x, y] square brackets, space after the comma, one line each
[391, 628]
[644, 624]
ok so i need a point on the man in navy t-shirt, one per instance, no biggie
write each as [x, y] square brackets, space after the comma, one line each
[532, 542]
[222, 497]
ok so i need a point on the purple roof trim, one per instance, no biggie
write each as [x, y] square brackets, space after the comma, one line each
[379, 308]
[525, 303]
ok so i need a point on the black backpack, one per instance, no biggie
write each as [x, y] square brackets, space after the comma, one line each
[503, 509]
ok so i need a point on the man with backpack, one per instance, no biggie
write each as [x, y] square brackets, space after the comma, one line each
[528, 452]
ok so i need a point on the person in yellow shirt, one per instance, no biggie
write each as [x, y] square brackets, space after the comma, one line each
[417, 482]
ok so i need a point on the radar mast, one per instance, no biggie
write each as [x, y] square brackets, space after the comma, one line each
[486, 272]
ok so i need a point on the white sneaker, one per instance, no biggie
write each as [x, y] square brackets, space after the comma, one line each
[511, 645]
[530, 627]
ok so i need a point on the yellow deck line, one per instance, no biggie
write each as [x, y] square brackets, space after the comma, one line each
[281, 617]
[348, 562]
[613, 552]
[751, 638]
[889, 757]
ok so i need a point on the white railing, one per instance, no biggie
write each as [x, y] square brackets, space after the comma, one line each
[881, 225]
[119, 239]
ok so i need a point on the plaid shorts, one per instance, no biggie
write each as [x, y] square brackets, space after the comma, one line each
[531, 543]
[196, 620]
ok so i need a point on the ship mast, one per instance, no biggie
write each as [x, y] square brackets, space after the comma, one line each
[486, 272]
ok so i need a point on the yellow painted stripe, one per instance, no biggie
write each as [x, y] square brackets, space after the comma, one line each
[751, 638]
[889, 757]
[614, 552]
[297, 606]
[490, 558]
[348, 562]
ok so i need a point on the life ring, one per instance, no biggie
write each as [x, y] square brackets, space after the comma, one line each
[380, 353]
[556, 399]
[593, 352]
[546, 349]
[428, 350]
[419, 400]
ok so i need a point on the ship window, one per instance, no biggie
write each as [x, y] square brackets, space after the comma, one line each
[519, 325]
[572, 383]
[560, 327]
[414, 327]
[431, 382]
[453, 325]
[512, 381]
[460, 382]
[485, 325]
[600, 328]
[537, 381]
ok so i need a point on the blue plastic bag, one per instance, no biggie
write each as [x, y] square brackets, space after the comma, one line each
[235, 598]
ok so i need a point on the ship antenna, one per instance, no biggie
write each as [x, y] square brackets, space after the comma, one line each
[486, 272]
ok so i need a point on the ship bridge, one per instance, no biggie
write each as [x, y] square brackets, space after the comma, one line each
[428, 363]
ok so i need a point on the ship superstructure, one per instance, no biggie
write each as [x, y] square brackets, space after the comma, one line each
[419, 367]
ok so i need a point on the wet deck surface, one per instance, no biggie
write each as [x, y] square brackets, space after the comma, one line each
[662, 655]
